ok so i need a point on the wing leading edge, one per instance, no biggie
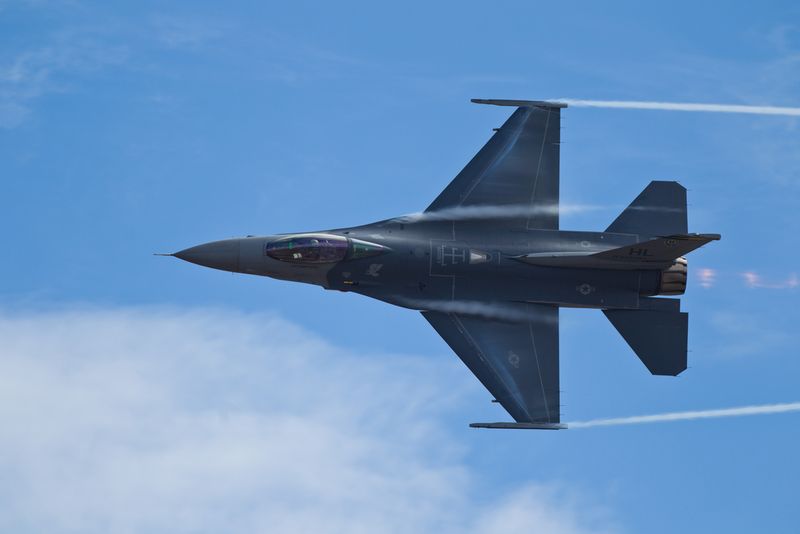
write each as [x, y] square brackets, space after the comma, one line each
[517, 362]
[518, 169]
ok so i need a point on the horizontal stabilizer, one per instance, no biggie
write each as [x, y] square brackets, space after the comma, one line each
[659, 338]
[658, 210]
[528, 426]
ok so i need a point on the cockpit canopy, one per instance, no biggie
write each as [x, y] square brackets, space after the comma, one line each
[320, 248]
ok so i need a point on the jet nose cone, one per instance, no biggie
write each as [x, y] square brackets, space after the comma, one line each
[223, 255]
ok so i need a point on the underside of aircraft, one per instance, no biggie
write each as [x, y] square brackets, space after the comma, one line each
[488, 266]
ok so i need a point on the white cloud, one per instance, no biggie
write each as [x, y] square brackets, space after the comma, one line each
[187, 32]
[26, 75]
[206, 421]
[539, 509]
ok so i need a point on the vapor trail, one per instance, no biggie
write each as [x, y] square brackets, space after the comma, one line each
[682, 416]
[679, 106]
[498, 212]
[503, 311]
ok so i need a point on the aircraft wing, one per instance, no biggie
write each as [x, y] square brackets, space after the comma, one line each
[516, 361]
[516, 171]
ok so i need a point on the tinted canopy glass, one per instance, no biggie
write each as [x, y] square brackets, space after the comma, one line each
[309, 249]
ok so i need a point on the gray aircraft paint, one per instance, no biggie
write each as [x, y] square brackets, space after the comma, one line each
[491, 281]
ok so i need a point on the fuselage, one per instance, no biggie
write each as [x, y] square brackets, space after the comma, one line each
[422, 264]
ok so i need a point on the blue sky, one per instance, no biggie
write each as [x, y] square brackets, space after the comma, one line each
[140, 127]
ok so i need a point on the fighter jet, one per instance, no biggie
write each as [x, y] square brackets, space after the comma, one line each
[488, 267]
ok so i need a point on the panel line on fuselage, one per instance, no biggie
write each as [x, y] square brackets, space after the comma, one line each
[538, 169]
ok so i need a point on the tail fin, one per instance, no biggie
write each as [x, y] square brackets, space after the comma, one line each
[658, 336]
[659, 210]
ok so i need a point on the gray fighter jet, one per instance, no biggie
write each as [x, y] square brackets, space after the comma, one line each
[488, 267]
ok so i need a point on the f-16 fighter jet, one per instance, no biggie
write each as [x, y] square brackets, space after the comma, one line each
[488, 267]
